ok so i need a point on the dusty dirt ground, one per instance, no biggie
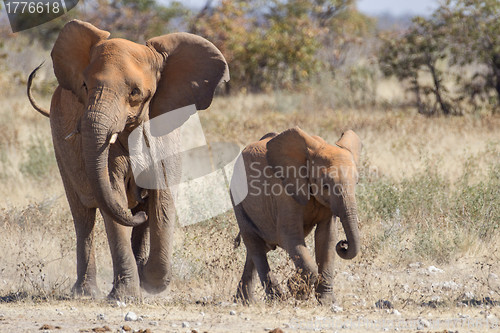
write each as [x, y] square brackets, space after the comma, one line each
[84, 317]
[371, 297]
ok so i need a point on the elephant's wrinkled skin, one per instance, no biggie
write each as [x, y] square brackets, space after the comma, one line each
[107, 87]
[296, 182]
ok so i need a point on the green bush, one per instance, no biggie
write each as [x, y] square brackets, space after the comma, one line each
[40, 159]
[427, 217]
[476, 205]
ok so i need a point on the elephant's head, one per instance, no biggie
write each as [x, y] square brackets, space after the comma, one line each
[311, 168]
[122, 84]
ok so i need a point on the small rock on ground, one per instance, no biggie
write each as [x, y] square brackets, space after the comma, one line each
[131, 316]
[383, 304]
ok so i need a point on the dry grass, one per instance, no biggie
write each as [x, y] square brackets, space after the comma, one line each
[429, 193]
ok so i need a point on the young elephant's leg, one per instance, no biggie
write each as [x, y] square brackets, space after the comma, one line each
[246, 285]
[84, 221]
[125, 274]
[256, 260]
[293, 242]
[302, 283]
[257, 253]
[267, 278]
[325, 242]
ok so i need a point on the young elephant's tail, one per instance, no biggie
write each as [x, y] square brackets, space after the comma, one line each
[30, 96]
[237, 240]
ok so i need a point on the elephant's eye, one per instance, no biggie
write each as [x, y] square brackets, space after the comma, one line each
[326, 187]
[84, 85]
[135, 92]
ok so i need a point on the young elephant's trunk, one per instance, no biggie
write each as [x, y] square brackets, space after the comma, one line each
[349, 218]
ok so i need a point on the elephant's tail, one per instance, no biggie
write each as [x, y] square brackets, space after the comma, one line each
[30, 96]
[237, 240]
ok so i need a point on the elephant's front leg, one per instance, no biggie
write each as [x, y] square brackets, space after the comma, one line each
[84, 221]
[302, 283]
[125, 275]
[325, 241]
[292, 236]
[86, 283]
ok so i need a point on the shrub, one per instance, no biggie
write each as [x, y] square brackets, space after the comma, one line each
[40, 159]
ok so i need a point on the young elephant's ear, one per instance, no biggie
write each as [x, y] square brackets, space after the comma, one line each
[288, 153]
[71, 54]
[192, 69]
[351, 141]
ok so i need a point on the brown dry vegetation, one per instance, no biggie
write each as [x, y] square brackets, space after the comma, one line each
[429, 195]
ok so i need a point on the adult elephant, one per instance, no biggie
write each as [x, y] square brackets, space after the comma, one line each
[296, 182]
[108, 87]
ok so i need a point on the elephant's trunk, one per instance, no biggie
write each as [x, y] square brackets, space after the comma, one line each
[98, 123]
[349, 218]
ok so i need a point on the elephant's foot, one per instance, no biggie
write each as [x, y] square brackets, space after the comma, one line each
[325, 298]
[274, 292]
[324, 291]
[85, 288]
[154, 282]
[244, 295]
[301, 286]
[126, 290]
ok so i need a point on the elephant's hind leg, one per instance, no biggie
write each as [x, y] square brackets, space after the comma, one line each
[269, 281]
[257, 253]
[125, 274]
[84, 221]
[246, 285]
[256, 258]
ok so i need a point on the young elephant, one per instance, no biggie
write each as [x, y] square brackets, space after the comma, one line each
[295, 182]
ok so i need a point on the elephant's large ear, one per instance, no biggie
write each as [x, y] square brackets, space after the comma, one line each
[288, 153]
[351, 141]
[71, 54]
[193, 68]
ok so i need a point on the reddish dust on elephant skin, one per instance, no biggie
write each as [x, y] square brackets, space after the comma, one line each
[107, 88]
[281, 209]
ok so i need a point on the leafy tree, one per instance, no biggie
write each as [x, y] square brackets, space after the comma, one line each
[268, 44]
[347, 34]
[462, 34]
[134, 20]
[474, 28]
[276, 43]
[416, 53]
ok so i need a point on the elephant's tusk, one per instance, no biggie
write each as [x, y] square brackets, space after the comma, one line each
[113, 138]
[72, 134]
